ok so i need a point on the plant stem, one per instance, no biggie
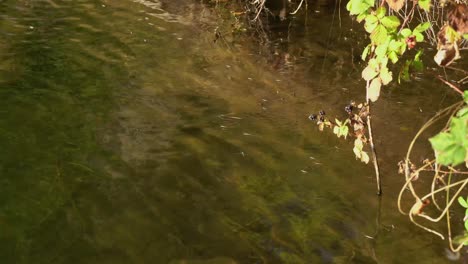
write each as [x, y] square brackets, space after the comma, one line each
[371, 141]
[374, 153]
[455, 88]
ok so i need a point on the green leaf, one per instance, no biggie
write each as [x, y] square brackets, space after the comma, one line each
[381, 51]
[453, 155]
[463, 112]
[406, 32]
[385, 76]
[394, 45]
[393, 56]
[465, 36]
[449, 151]
[371, 19]
[383, 62]
[422, 27]
[374, 64]
[451, 34]
[402, 49]
[418, 65]
[465, 96]
[356, 7]
[390, 22]
[362, 16]
[451, 146]
[462, 202]
[349, 5]
[370, 26]
[417, 57]
[440, 141]
[379, 35]
[458, 130]
[380, 12]
[466, 225]
[365, 52]
[461, 239]
[419, 36]
[425, 4]
[404, 72]
[344, 131]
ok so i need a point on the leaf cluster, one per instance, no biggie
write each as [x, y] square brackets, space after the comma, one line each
[341, 128]
[388, 42]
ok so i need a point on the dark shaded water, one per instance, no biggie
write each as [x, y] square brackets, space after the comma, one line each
[128, 136]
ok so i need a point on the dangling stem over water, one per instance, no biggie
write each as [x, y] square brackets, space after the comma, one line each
[371, 141]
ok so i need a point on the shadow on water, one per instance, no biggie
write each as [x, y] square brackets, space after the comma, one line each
[129, 136]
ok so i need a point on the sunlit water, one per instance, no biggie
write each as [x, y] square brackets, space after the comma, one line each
[128, 135]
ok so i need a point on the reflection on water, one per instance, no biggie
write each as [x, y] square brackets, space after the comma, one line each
[129, 136]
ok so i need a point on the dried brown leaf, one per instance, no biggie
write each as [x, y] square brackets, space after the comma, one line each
[364, 157]
[320, 126]
[374, 89]
[395, 4]
[417, 207]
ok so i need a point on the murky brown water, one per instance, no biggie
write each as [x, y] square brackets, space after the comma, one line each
[128, 135]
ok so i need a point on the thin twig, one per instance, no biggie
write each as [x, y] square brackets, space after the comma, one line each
[450, 85]
[371, 141]
[299, 7]
[407, 18]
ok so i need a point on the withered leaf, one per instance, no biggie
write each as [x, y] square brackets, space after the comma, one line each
[395, 4]
[369, 73]
[374, 89]
[357, 152]
[364, 157]
[320, 126]
[358, 144]
[336, 130]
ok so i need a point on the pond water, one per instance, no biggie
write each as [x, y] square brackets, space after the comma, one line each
[129, 135]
